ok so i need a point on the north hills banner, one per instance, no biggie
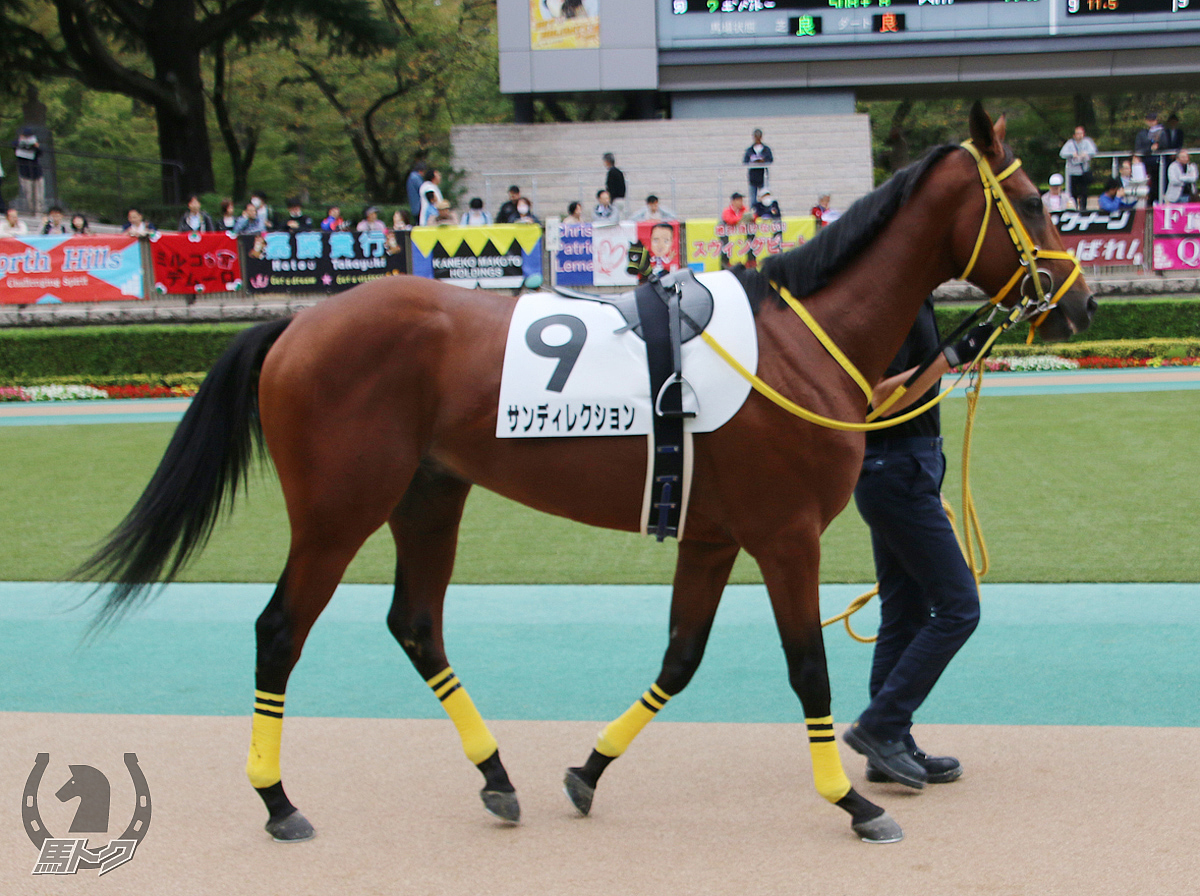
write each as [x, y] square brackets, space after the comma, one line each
[48, 269]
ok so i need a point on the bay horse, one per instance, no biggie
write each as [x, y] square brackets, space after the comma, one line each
[380, 406]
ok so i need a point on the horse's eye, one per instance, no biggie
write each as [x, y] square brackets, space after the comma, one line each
[1032, 206]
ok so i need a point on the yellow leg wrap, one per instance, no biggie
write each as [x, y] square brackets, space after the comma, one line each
[262, 765]
[477, 741]
[619, 733]
[828, 774]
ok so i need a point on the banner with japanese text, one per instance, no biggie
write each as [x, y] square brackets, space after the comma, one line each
[497, 256]
[712, 244]
[49, 269]
[191, 263]
[318, 261]
[1177, 237]
[1100, 238]
[564, 24]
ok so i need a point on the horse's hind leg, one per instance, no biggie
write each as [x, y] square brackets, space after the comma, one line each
[425, 526]
[701, 571]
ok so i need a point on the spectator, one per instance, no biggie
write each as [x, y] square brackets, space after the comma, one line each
[1055, 200]
[654, 211]
[767, 207]
[195, 219]
[1078, 151]
[1137, 172]
[249, 221]
[475, 215]
[508, 211]
[297, 221]
[227, 217]
[757, 155]
[736, 211]
[333, 220]
[1133, 186]
[1113, 200]
[445, 215]
[1172, 135]
[12, 225]
[574, 215]
[525, 213]
[135, 224]
[820, 211]
[1181, 178]
[259, 200]
[614, 182]
[54, 221]
[29, 171]
[604, 213]
[1147, 143]
[370, 222]
[402, 220]
[79, 225]
[428, 210]
[412, 186]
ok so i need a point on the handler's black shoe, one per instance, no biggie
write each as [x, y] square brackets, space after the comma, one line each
[893, 757]
[938, 769]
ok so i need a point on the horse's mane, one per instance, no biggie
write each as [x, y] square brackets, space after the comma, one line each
[811, 266]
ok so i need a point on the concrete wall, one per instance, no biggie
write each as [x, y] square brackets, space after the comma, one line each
[692, 165]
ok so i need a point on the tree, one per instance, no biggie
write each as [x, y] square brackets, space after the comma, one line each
[152, 50]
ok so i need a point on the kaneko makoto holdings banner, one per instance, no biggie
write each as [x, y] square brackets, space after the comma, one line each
[499, 256]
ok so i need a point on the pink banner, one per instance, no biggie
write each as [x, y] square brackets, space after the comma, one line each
[1177, 237]
[51, 269]
[189, 263]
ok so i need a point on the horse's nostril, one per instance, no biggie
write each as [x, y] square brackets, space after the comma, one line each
[1091, 305]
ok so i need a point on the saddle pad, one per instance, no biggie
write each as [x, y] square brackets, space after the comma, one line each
[568, 373]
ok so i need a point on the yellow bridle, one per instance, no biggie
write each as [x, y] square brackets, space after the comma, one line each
[1027, 250]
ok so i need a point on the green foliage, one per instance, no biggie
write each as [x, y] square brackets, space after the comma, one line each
[1115, 319]
[51, 352]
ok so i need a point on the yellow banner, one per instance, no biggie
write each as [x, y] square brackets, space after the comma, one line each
[713, 245]
[564, 24]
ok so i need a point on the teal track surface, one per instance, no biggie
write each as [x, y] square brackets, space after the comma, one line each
[1118, 654]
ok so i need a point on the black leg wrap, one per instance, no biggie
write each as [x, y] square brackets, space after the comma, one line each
[276, 801]
[495, 775]
[860, 808]
[591, 770]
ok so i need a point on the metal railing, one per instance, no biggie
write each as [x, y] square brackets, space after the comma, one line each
[105, 185]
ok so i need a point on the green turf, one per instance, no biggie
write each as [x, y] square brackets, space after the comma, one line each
[1075, 488]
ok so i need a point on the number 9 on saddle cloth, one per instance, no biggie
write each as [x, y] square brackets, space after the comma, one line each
[630, 364]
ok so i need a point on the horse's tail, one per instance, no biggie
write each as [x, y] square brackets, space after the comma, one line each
[208, 457]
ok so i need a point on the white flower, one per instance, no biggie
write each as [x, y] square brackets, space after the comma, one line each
[64, 393]
[1041, 362]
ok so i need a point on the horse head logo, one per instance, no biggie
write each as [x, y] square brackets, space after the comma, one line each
[91, 787]
[93, 791]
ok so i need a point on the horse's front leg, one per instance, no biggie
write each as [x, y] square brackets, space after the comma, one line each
[789, 566]
[701, 571]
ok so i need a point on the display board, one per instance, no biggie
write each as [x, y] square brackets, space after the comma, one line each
[684, 24]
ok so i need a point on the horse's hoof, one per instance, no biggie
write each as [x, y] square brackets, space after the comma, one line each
[882, 829]
[578, 791]
[502, 804]
[293, 828]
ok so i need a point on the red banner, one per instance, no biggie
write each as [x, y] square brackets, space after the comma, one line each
[188, 263]
[1098, 238]
[48, 269]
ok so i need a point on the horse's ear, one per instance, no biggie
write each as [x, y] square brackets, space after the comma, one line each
[986, 140]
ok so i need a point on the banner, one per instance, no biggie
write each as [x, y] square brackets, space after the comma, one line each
[1098, 238]
[564, 24]
[190, 263]
[47, 269]
[713, 244]
[1177, 237]
[590, 255]
[498, 256]
[317, 261]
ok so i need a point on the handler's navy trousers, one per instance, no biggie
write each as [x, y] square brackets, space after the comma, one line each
[929, 604]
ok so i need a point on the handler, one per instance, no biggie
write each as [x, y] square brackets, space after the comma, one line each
[929, 602]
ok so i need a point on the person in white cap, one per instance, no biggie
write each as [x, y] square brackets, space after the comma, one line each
[1056, 200]
[767, 206]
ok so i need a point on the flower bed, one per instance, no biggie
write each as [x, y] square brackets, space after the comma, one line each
[91, 393]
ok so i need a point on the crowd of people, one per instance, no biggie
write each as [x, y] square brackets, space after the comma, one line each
[1159, 169]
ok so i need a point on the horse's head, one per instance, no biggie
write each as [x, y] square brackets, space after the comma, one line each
[1014, 252]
